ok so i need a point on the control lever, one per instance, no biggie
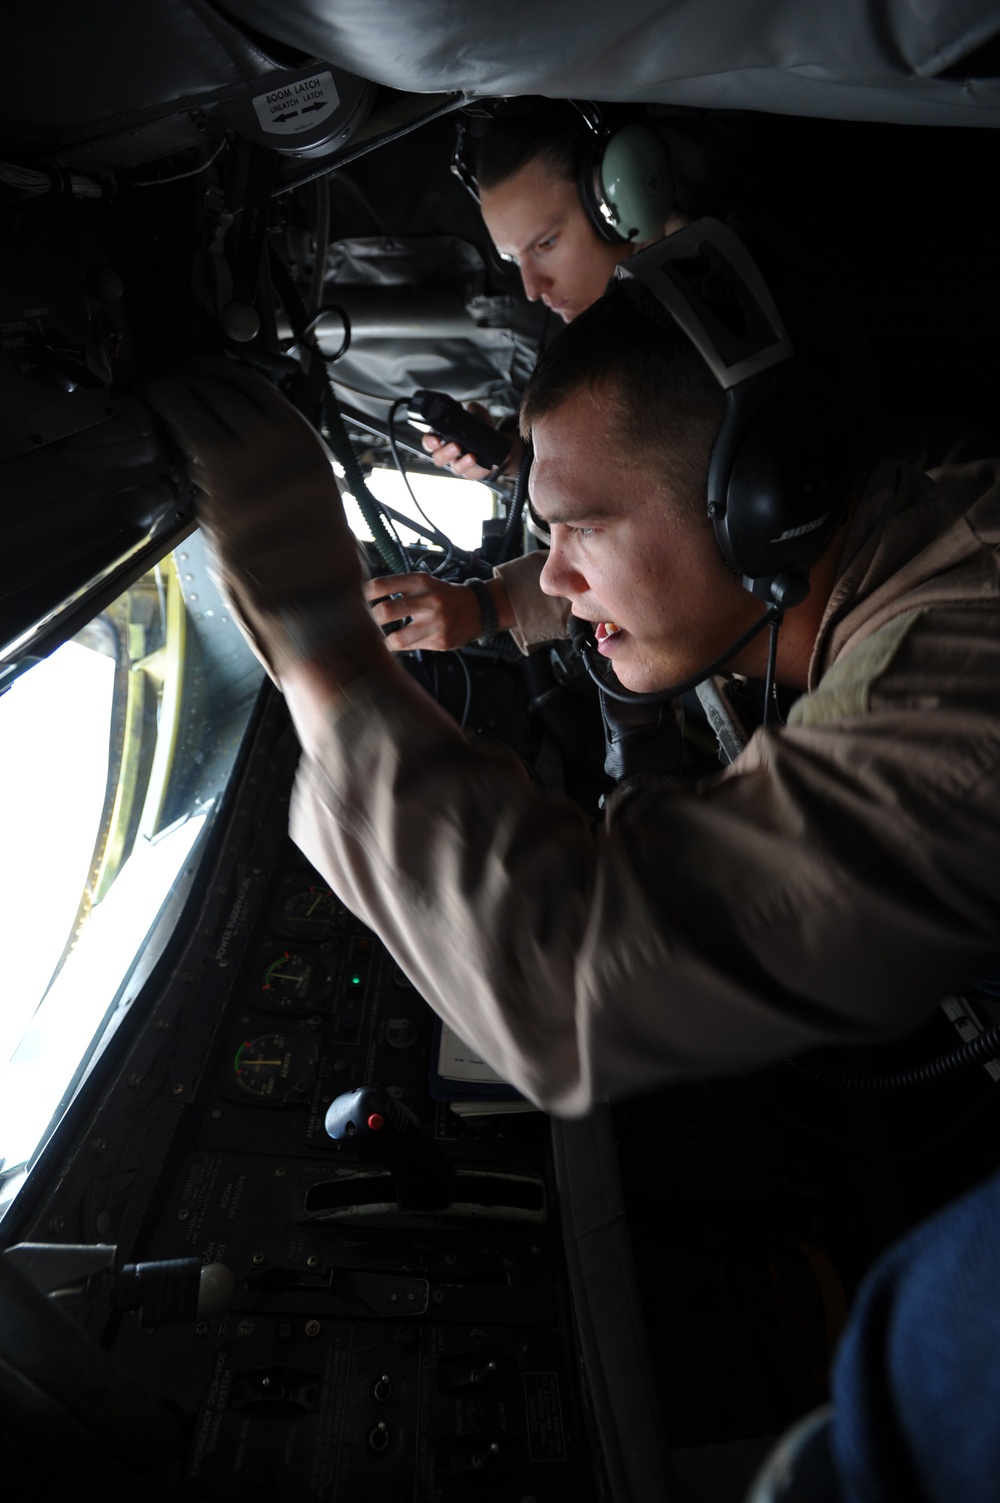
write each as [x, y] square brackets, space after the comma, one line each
[379, 1129]
[436, 412]
[165, 1292]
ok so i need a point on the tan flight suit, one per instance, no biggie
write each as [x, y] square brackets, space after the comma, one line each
[539, 618]
[831, 886]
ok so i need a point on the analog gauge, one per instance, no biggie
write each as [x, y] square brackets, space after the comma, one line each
[275, 1067]
[285, 982]
[312, 913]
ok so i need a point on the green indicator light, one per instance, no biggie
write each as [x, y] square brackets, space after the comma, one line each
[355, 980]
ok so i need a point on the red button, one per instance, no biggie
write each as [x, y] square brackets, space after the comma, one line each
[375, 1121]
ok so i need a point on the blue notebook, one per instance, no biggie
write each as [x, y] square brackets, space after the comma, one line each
[466, 1082]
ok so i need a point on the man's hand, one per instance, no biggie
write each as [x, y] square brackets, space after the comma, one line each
[444, 616]
[449, 456]
[284, 555]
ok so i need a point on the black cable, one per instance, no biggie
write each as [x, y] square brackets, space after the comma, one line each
[391, 424]
[428, 534]
[387, 540]
[586, 646]
[503, 650]
[770, 688]
[345, 343]
[978, 1051]
[468, 690]
[321, 193]
[389, 547]
[459, 167]
[511, 532]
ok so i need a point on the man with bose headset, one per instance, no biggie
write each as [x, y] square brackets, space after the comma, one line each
[713, 498]
[566, 199]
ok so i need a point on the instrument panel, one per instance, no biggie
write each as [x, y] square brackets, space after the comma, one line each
[378, 1345]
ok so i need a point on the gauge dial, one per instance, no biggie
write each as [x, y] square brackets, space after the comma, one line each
[313, 913]
[285, 981]
[275, 1067]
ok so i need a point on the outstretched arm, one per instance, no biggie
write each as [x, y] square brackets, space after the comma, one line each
[270, 507]
[829, 888]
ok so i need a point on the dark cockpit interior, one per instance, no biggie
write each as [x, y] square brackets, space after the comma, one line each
[268, 1230]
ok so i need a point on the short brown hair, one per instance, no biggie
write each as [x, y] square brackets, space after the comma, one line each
[665, 406]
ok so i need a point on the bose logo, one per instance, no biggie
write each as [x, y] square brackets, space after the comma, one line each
[797, 532]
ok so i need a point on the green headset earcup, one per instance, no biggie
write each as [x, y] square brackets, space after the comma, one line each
[633, 185]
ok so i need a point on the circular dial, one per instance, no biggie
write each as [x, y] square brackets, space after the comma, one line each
[311, 913]
[285, 981]
[275, 1067]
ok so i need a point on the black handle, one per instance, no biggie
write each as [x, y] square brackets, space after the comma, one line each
[378, 1128]
[436, 412]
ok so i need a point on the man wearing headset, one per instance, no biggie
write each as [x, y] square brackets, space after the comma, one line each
[567, 202]
[705, 476]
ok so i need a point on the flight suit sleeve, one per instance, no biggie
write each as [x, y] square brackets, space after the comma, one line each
[539, 618]
[830, 887]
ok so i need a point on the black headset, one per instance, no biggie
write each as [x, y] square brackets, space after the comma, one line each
[779, 478]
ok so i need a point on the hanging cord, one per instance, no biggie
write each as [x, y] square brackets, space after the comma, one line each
[459, 166]
[503, 649]
[321, 195]
[428, 534]
[512, 531]
[345, 343]
[397, 457]
[468, 690]
[429, 666]
[387, 540]
[978, 1051]
[389, 547]
[770, 687]
[176, 177]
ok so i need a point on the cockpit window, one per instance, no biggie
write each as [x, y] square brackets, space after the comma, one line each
[114, 752]
[458, 508]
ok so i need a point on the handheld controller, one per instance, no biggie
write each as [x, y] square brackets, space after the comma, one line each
[436, 412]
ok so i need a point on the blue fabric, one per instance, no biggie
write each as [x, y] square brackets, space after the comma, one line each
[917, 1379]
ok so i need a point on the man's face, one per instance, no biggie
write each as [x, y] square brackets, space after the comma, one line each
[538, 220]
[630, 559]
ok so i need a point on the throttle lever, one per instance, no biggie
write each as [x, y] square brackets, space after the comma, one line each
[379, 1129]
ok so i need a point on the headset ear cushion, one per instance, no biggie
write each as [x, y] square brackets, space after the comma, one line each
[637, 182]
[788, 484]
[588, 187]
[626, 185]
